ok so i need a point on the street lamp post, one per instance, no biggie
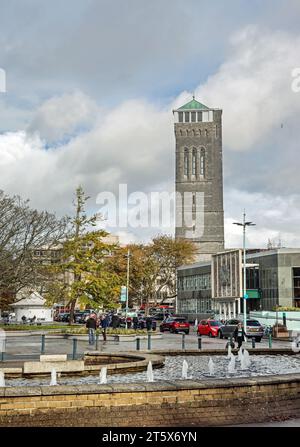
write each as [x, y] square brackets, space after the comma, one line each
[244, 224]
[127, 286]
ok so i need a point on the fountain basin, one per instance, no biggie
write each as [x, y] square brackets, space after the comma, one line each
[202, 400]
[169, 403]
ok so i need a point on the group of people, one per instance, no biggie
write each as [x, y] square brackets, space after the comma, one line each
[93, 322]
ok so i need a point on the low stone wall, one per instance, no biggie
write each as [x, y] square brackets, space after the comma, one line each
[178, 403]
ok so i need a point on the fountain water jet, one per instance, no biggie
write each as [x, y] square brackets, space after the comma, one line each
[184, 369]
[240, 354]
[150, 377]
[2, 379]
[53, 377]
[211, 366]
[229, 351]
[247, 358]
[103, 376]
[231, 365]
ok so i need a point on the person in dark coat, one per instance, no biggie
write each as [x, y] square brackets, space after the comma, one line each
[135, 321]
[104, 325]
[239, 335]
[115, 321]
[148, 323]
[91, 324]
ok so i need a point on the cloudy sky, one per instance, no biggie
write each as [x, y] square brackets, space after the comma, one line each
[90, 88]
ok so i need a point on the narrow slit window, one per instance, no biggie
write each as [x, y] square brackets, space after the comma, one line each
[202, 162]
[186, 162]
[194, 162]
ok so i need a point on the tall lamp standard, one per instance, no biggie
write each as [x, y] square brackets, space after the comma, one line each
[127, 286]
[244, 224]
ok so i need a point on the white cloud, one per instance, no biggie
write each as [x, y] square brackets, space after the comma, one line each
[134, 142]
[61, 116]
[253, 86]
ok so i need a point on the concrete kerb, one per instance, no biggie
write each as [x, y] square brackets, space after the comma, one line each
[149, 387]
[135, 363]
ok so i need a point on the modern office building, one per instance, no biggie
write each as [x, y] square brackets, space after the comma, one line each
[272, 279]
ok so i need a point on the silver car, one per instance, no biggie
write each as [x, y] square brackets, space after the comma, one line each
[253, 329]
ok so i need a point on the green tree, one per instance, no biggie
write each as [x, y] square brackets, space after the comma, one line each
[152, 267]
[81, 275]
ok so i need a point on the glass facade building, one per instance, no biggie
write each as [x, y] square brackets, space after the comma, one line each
[272, 279]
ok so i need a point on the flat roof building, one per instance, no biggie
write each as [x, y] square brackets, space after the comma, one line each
[272, 279]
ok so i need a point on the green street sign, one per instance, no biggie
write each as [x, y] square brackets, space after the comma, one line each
[123, 295]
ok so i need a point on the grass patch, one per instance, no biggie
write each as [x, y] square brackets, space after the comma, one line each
[109, 331]
[28, 327]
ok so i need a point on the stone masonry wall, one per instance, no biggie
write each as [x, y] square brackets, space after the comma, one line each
[180, 403]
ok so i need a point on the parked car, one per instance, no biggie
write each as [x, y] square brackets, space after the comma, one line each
[81, 317]
[209, 327]
[142, 323]
[161, 315]
[63, 316]
[253, 329]
[175, 324]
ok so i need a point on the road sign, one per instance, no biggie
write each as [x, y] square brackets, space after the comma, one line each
[246, 296]
[123, 295]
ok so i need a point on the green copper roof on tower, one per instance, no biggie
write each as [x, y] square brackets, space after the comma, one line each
[193, 104]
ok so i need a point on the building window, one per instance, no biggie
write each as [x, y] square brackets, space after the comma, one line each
[202, 162]
[193, 117]
[187, 117]
[180, 117]
[199, 116]
[296, 281]
[186, 162]
[194, 162]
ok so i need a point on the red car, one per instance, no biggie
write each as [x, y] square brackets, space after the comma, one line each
[175, 324]
[209, 327]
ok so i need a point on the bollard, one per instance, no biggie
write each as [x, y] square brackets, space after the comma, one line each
[270, 341]
[183, 341]
[138, 343]
[253, 342]
[3, 351]
[97, 340]
[284, 319]
[74, 348]
[43, 344]
[149, 341]
[199, 343]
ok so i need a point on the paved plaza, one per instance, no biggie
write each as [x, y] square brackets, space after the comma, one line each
[24, 347]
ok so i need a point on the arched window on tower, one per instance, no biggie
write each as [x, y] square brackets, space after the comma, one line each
[202, 162]
[194, 162]
[186, 162]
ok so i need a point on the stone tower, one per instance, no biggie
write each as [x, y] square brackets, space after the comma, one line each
[199, 178]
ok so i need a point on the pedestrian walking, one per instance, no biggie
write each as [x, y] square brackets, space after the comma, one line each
[148, 323]
[115, 321]
[91, 324]
[104, 325]
[239, 335]
[135, 321]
